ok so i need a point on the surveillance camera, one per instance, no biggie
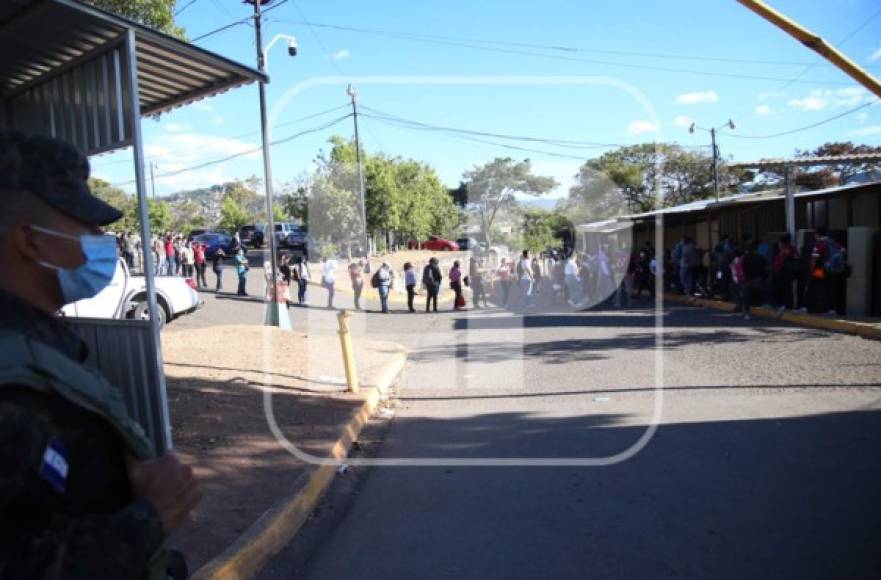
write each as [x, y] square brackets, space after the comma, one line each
[292, 47]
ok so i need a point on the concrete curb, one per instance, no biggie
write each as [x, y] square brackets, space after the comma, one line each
[277, 526]
[809, 320]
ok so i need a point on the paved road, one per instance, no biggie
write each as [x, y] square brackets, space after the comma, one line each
[766, 463]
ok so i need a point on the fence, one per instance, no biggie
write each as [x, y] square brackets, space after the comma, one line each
[124, 352]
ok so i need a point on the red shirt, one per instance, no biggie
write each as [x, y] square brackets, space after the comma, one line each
[169, 248]
[199, 253]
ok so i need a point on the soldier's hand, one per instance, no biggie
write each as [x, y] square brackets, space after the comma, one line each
[168, 484]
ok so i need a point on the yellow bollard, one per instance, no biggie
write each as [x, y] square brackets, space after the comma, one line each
[348, 355]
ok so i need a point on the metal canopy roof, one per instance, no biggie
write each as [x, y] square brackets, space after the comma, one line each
[807, 161]
[43, 38]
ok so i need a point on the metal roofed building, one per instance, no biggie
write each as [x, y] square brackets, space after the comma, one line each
[85, 76]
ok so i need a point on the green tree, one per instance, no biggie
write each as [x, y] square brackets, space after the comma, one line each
[120, 200]
[538, 230]
[494, 185]
[158, 14]
[159, 213]
[629, 180]
[837, 173]
[233, 214]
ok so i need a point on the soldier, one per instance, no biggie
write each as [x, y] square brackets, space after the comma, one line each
[82, 494]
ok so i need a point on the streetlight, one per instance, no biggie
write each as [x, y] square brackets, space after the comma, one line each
[730, 125]
[276, 313]
[353, 94]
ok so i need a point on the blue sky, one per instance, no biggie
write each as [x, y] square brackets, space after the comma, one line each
[439, 63]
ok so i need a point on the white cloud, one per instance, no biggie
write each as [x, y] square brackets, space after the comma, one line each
[682, 121]
[698, 97]
[176, 127]
[341, 55]
[176, 151]
[767, 96]
[820, 99]
[809, 103]
[640, 127]
[863, 117]
[869, 131]
[763, 110]
[875, 56]
[203, 106]
[218, 120]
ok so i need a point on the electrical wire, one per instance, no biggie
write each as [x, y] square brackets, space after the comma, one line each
[243, 153]
[553, 48]
[240, 136]
[800, 129]
[184, 7]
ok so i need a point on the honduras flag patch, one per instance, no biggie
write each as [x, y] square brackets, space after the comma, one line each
[54, 467]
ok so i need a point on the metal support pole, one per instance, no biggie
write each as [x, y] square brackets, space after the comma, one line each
[144, 216]
[348, 355]
[790, 201]
[715, 165]
[276, 313]
[152, 181]
[353, 95]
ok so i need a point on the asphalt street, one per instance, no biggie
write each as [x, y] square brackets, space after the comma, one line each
[765, 462]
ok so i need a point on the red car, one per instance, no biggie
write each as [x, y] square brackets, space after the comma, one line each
[435, 244]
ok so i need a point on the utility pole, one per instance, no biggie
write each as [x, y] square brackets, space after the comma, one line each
[275, 316]
[715, 165]
[712, 132]
[350, 90]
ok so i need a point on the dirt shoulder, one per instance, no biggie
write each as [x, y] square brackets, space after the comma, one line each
[217, 378]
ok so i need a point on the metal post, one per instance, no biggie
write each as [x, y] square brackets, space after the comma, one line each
[715, 165]
[790, 201]
[144, 216]
[354, 95]
[276, 313]
[348, 355]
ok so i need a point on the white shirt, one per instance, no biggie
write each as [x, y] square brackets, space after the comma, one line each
[571, 268]
[526, 267]
[328, 271]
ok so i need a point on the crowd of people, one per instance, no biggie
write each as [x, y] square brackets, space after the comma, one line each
[810, 279]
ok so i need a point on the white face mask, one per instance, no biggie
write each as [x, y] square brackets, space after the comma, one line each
[94, 274]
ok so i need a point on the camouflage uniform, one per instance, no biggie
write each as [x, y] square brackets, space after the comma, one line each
[87, 525]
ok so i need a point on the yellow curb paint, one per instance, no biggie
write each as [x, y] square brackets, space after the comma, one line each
[275, 528]
[809, 320]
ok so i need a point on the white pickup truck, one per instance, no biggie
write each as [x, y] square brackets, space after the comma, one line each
[126, 297]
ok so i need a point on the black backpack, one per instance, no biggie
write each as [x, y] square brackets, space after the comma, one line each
[374, 280]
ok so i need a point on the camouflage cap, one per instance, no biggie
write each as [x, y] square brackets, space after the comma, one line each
[54, 171]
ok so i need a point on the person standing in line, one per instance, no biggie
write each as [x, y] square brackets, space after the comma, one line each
[186, 259]
[504, 274]
[755, 269]
[199, 262]
[431, 278]
[242, 270]
[217, 267]
[356, 275]
[384, 277]
[158, 248]
[128, 251]
[475, 277]
[410, 283]
[302, 275]
[573, 281]
[328, 278]
[524, 274]
[536, 277]
[169, 255]
[787, 268]
[178, 258]
[455, 277]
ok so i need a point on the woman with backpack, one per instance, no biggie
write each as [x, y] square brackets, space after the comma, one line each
[382, 281]
[431, 278]
[217, 267]
[300, 273]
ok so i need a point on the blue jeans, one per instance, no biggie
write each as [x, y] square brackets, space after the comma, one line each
[301, 290]
[383, 297]
[243, 277]
[575, 287]
[686, 278]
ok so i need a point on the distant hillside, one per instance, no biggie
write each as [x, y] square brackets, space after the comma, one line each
[540, 203]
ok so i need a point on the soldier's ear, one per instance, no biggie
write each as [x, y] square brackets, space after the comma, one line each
[26, 242]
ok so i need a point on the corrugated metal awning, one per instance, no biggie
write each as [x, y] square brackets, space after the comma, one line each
[44, 38]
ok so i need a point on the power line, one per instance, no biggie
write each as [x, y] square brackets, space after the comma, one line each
[805, 128]
[184, 7]
[246, 20]
[553, 48]
[243, 153]
[240, 136]
[439, 41]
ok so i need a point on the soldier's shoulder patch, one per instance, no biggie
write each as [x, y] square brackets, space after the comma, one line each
[54, 467]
